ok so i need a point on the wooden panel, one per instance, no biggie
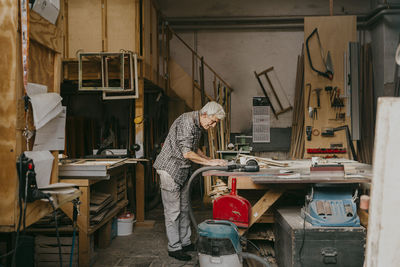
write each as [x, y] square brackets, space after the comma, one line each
[46, 33]
[41, 65]
[154, 44]
[121, 22]
[146, 38]
[8, 110]
[335, 33]
[84, 26]
[181, 83]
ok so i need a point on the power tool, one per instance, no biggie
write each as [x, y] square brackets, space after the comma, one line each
[219, 240]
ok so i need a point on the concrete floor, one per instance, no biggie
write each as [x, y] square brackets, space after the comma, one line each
[146, 246]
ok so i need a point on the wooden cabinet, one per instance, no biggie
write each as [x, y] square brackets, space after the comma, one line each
[116, 186]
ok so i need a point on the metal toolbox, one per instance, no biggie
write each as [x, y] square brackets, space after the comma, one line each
[298, 243]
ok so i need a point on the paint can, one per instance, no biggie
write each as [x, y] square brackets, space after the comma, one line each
[125, 224]
[364, 202]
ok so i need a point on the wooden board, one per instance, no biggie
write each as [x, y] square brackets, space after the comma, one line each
[335, 33]
[8, 110]
[181, 82]
[84, 26]
[121, 21]
[46, 33]
[262, 205]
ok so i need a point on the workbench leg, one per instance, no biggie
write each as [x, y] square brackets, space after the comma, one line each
[140, 192]
[262, 205]
[84, 249]
[140, 222]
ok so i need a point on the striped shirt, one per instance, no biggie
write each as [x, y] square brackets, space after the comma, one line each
[183, 136]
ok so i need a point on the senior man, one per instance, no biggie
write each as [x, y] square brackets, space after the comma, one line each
[180, 150]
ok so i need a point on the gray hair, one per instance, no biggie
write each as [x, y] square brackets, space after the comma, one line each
[213, 108]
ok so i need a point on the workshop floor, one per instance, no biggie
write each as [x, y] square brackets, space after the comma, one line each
[147, 247]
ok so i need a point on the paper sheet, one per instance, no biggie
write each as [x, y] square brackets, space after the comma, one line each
[52, 135]
[58, 186]
[43, 161]
[35, 89]
[45, 107]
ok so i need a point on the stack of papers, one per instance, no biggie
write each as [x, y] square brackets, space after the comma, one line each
[49, 118]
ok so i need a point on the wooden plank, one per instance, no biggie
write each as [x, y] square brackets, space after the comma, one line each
[246, 183]
[140, 192]
[335, 33]
[41, 65]
[10, 80]
[46, 33]
[89, 37]
[382, 238]
[104, 236]
[121, 12]
[262, 205]
[104, 37]
[84, 249]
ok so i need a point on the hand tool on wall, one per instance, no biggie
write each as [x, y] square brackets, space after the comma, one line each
[328, 73]
[310, 109]
[308, 132]
[318, 93]
[349, 140]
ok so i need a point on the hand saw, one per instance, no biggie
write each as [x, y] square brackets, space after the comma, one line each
[327, 63]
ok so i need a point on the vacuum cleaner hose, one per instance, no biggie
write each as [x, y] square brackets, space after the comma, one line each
[259, 259]
[192, 177]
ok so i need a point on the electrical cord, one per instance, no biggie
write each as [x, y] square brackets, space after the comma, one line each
[303, 241]
[57, 232]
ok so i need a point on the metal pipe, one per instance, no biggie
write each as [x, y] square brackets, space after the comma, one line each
[270, 23]
[259, 259]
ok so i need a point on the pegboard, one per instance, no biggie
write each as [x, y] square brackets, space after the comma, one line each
[335, 33]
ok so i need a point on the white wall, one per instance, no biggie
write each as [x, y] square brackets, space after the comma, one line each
[239, 54]
[236, 54]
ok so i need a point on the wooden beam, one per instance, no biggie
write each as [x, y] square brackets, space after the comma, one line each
[262, 205]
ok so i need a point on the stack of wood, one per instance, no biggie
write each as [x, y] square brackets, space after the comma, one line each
[297, 138]
[47, 252]
[218, 189]
[100, 205]
[265, 162]
[121, 188]
[48, 220]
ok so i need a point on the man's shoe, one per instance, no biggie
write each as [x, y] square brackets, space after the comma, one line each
[179, 255]
[188, 248]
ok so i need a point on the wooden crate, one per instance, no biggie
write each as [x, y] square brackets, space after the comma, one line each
[47, 251]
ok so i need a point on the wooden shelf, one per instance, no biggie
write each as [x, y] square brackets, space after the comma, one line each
[119, 206]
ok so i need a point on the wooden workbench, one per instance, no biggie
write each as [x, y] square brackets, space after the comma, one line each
[276, 180]
[116, 173]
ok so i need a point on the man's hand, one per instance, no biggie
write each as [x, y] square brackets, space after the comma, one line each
[201, 159]
[217, 162]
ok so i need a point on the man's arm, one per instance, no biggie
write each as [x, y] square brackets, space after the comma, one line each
[201, 154]
[197, 158]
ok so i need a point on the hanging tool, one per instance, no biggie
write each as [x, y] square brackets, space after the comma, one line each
[282, 109]
[318, 93]
[308, 132]
[310, 109]
[328, 73]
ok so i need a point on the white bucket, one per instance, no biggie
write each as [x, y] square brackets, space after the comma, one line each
[125, 224]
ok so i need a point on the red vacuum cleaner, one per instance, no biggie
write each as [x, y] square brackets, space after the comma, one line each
[232, 208]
